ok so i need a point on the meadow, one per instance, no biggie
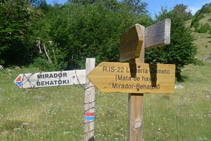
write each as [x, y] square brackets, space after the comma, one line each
[56, 113]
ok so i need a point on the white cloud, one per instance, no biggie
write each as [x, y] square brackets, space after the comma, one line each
[194, 9]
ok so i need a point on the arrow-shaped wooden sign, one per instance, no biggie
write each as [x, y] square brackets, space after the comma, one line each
[130, 43]
[153, 36]
[49, 79]
[133, 78]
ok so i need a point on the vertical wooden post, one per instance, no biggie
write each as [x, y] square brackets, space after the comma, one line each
[89, 103]
[135, 104]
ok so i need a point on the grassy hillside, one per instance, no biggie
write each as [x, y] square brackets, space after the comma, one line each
[56, 113]
[206, 19]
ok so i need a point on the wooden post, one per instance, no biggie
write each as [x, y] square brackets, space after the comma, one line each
[135, 104]
[89, 103]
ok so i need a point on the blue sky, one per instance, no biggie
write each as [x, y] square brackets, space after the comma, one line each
[154, 6]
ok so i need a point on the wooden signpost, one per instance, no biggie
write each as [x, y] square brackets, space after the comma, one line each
[136, 77]
[138, 36]
[133, 78]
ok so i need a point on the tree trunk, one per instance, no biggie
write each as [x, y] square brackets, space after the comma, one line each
[46, 53]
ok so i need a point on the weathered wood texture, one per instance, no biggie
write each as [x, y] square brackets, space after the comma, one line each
[135, 117]
[155, 35]
[89, 103]
[130, 43]
[158, 34]
[49, 79]
[133, 78]
[135, 105]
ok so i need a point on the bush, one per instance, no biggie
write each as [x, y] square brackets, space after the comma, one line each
[198, 63]
[195, 21]
[210, 31]
[204, 28]
[2, 62]
[86, 31]
[43, 64]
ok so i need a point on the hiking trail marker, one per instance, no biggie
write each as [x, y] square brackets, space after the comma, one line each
[133, 78]
[136, 77]
[49, 79]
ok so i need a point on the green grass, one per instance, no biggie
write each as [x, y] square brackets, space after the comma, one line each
[56, 113]
[206, 19]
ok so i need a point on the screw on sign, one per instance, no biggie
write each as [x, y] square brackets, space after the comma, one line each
[136, 77]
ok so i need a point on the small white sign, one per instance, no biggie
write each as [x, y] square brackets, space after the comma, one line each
[49, 79]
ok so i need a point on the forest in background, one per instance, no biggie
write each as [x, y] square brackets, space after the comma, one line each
[60, 37]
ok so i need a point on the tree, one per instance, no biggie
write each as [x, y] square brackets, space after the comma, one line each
[136, 7]
[79, 30]
[180, 51]
[182, 11]
[15, 17]
[199, 15]
[206, 8]
[38, 3]
[82, 1]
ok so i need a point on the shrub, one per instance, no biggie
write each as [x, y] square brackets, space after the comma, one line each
[43, 64]
[210, 31]
[204, 28]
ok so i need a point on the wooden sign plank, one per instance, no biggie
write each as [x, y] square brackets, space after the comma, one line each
[130, 43]
[155, 35]
[158, 34]
[49, 79]
[133, 78]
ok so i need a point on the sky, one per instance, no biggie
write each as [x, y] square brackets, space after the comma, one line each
[154, 6]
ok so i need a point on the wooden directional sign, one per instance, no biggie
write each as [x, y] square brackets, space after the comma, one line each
[49, 79]
[158, 34]
[154, 36]
[130, 43]
[133, 78]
